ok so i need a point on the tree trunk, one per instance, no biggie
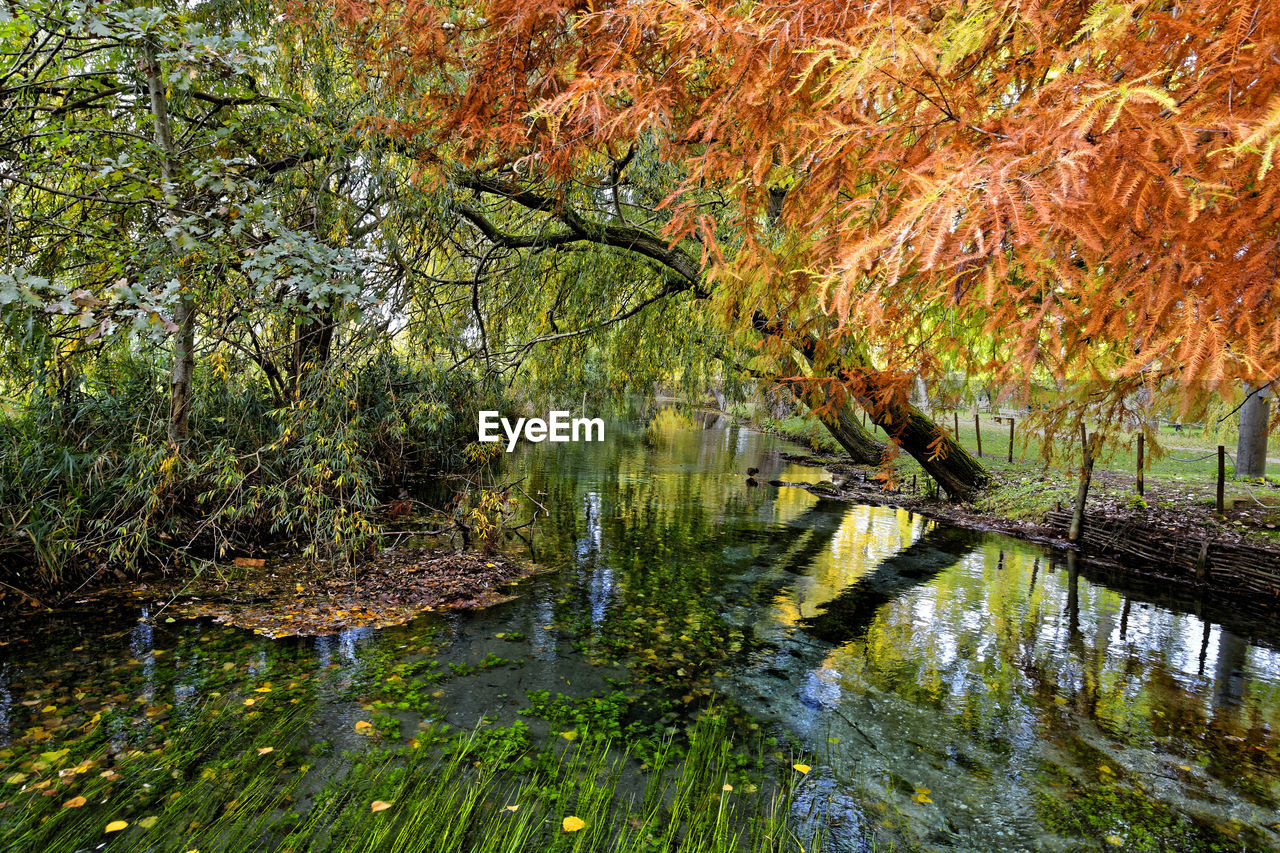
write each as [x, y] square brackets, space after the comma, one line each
[940, 455]
[1255, 416]
[312, 344]
[183, 364]
[843, 424]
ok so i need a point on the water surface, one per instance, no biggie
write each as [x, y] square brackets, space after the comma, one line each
[960, 691]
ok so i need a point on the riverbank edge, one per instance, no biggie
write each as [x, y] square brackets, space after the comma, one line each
[1195, 527]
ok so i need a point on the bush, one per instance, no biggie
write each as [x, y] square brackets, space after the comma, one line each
[89, 482]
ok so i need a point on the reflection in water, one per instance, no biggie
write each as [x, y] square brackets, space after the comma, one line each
[964, 691]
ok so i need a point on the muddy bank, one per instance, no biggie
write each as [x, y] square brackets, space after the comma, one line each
[299, 597]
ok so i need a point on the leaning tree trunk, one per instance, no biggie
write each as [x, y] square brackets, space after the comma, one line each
[184, 314]
[1251, 450]
[840, 419]
[940, 455]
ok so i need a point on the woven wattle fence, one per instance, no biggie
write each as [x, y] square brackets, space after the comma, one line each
[1135, 543]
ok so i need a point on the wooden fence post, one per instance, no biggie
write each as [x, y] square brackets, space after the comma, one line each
[1086, 474]
[1141, 453]
[956, 415]
[977, 428]
[1222, 478]
[1011, 440]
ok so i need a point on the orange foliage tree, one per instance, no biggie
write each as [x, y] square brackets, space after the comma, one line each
[1068, 190]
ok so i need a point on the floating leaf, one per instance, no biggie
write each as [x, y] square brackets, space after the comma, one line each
[379, 806]
[17, 778]
[266, 750]
[249, 701]
[116, 826]
[148, 821]
[801, 768]
[363, 725]
[727, 787]
[570, 735]
[1115, 840]
[573, 824]
[513, 807]
[74, 803]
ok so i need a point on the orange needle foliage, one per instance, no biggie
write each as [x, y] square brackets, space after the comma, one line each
[1083, 186]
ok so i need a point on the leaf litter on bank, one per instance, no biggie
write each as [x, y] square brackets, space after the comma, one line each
[301, 598]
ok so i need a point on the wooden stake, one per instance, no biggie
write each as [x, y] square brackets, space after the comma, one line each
[1222, 478]
[977, 429]
[956, 415]
[1142, 444]
[1010, 441]
[1086, 474]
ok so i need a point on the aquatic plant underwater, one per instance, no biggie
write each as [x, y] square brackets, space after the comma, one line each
[248, 774]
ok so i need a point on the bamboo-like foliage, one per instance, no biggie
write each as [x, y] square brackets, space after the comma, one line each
[1086, 187]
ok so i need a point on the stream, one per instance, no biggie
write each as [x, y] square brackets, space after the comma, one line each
[955, 690]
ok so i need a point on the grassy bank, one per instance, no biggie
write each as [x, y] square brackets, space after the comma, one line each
[1180, 476]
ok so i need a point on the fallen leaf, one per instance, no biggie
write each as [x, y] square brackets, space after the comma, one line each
[573, 824]
[74, 803]
[1115, 840]
[363, 725]
[513, 807]
[801, 768]
[379, 806]
[116, 826]
[265, 750]
[17, 778]
[727, 788]
[148, 821]
[571, 735]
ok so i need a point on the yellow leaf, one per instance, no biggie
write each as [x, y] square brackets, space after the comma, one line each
[1105, 769]
[74, 803]
[379, 806]
[569, 735]
[573, 824]
[1184, 767]
[265, 750]
[116, 826]
[727, 788]
[17, 778]
[513, 807]
[1060, 700]
[148, 821]
[801, 768]
[250, 701]
[1115, 840]
[363, 725]
[264, 689]
[923, 791]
